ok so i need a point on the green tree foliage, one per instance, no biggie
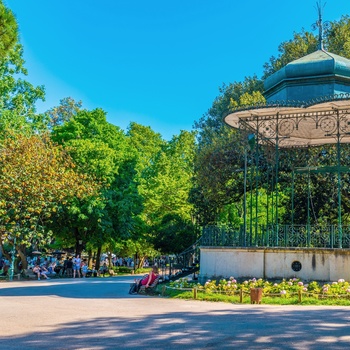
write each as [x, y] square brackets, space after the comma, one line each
[139, 248]
[123, 202]
[338, 37]
[323, 186]
[301, 45]
[36, 179]
[220, 159]
[146, 144]
[219, 150]
[17, 96]
[8, 30]
[97, 146]
[166, 186]
[165, 171]
[230, 96]
[168, 180]
[174, 234]
[218, 177]
[101, 150]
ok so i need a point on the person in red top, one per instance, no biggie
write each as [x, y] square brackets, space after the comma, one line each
[150, 278]
[146, 281]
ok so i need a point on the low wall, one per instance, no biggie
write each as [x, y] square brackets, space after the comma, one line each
[270, 263]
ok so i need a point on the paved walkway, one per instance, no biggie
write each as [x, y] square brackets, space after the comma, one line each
[98, 314]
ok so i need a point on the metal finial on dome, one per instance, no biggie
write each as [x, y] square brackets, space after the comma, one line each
[320, 24]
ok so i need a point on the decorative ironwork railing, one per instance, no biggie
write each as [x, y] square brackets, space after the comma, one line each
[286, 236]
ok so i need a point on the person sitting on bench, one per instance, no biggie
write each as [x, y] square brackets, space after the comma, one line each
[40, 271]
[145, 281]
[103, 270]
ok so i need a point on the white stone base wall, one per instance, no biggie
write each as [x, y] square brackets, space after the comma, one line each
[275, 263]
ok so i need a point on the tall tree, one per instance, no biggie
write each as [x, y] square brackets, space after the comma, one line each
[36, 179]
[168, 180]
[101, 149]
[165, 186]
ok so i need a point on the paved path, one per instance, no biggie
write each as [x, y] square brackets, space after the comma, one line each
[98, 314]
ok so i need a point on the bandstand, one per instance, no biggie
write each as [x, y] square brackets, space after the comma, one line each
[306, 119]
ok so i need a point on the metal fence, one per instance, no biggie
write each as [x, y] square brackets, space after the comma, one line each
[286, 236]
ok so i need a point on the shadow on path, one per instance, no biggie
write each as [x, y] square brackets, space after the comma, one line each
[221, 329]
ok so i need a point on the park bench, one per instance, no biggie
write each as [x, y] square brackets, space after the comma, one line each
[7, 275]
[151, 288]
[29, 274]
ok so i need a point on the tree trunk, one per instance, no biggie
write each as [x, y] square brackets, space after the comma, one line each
[89, 258]
[98, 257]
[21, 252]
[110, 259]
[78, 247]
[141, 261]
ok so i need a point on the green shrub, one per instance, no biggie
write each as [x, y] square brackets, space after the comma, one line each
[122, 269]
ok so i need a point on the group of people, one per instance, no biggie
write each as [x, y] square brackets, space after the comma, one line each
[119, 261]
[72, 267]
[75, 267]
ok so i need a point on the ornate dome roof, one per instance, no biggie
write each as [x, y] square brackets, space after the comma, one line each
[319, 73]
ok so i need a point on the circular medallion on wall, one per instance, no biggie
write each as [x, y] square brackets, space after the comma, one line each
[296, 266]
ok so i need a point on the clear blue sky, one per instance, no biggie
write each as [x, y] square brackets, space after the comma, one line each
[157, 62]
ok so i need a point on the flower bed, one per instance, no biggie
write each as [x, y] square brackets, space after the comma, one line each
[285, 289]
